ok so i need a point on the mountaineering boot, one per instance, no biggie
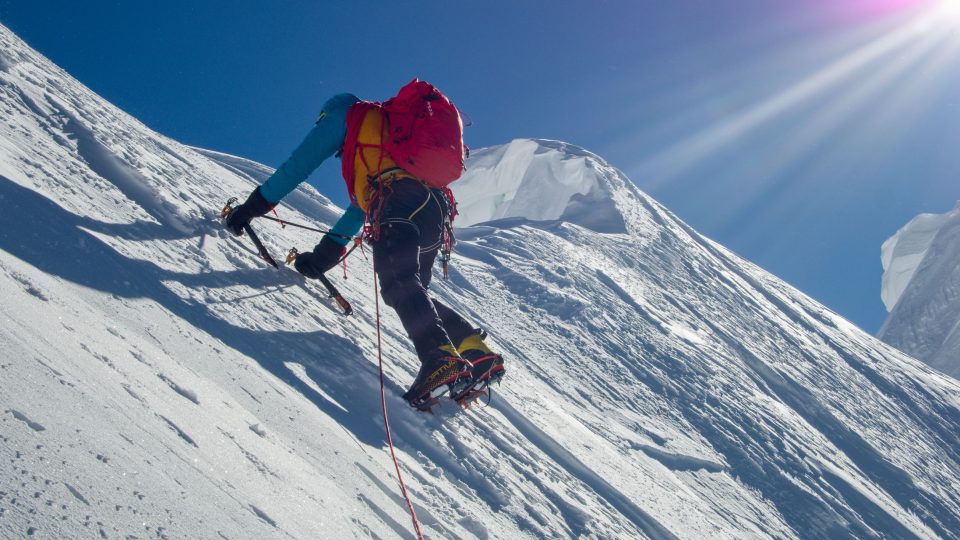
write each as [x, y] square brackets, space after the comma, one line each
[487, 367]
[442, 372]
[486, 363]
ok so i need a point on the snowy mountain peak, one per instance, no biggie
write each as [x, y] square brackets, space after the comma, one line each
[540, 180]
[902, 253]
[921, 288]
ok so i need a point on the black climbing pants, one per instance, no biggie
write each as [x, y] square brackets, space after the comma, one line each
[411, 217]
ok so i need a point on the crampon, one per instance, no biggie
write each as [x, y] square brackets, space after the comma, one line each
[479, 386]
[451, 381]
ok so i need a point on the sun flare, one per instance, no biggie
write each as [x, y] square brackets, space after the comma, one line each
[949, 10]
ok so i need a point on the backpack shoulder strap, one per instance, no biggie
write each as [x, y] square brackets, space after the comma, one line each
[348, 152]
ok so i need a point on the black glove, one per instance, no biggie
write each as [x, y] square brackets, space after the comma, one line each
[254, 206]
[325, 256]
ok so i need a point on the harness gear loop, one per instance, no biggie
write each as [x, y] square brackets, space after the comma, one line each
[446, 246]
[447, 238]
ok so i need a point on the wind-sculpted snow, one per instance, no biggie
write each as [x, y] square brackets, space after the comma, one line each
[922, 268]
[539, 180]
[158, 381]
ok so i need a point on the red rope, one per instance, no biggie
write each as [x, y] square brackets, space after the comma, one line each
[280, 221]
[386, 422]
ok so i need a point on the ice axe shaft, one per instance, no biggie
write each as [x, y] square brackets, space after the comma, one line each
[334, 293]
[261, 250]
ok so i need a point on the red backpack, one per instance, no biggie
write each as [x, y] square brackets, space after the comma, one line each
[426, 134]
[425, 137]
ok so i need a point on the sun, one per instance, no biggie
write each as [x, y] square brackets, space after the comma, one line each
[948, 10]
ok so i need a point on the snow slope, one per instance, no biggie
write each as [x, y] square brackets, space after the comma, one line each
[921, 289]
[156, 381]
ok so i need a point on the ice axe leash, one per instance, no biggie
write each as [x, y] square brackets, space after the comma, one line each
[265, 255]
[284, 223]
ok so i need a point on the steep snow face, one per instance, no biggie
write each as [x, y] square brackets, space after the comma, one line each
[921, 287]
[539, 180]
[156, 380]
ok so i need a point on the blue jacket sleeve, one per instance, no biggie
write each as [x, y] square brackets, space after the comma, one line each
[323, 141]
[348, 225]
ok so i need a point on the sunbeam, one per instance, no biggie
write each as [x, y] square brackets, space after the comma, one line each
[883, 96]
[880, 66]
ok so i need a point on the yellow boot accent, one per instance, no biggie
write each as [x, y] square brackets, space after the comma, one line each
[449, 349]
[473, 343]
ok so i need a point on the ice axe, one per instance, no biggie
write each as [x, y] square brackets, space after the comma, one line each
[265, 255]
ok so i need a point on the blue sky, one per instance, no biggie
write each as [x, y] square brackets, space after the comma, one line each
[799, 134]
